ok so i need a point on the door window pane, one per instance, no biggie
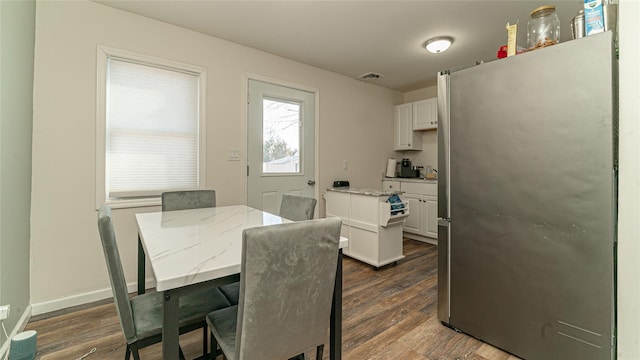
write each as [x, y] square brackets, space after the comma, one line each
[281, 125]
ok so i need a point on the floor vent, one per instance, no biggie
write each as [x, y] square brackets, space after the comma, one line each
[370, 76]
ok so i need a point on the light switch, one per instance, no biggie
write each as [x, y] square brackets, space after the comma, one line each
[234, 154]
[345, 164]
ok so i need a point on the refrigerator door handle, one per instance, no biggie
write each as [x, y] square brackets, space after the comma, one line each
[444, 221]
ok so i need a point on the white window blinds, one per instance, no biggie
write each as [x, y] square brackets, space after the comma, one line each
[152, 124]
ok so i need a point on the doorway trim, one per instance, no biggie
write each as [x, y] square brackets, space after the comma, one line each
[244, 114]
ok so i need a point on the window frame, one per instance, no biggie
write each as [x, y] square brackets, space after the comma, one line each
[103, 55]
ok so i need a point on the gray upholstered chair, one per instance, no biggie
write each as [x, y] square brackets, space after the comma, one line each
[286, 287]
[141, 316]
[297, 207]
[190, 199]
[292, 207]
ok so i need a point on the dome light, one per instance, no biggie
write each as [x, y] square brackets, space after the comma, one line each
[438, 44]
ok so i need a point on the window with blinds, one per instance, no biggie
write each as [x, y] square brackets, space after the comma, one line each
[152, 128]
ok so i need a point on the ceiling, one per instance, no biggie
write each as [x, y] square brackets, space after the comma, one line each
[356, 37]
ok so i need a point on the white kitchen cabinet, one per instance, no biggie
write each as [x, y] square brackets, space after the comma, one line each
[422, 199]
[414, 223]
[405, 138]
[391, 185]
[375, 235]
[431, 216]
[425, 114]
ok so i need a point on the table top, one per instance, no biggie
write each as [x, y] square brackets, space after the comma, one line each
[189, 246]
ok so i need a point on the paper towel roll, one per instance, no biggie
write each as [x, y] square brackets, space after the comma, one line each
[391, 168]
[23, 346]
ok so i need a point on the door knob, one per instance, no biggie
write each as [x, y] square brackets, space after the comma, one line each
[311, 182]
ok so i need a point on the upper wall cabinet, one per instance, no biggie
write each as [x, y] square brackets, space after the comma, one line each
[425, 115]
[405, 138]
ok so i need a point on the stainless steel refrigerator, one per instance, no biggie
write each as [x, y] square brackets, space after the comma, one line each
[527, 201]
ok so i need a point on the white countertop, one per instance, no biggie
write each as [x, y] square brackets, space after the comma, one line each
[414, 180]
[368, 192]
[189, 246]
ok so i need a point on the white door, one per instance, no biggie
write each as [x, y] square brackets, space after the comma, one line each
[412, 222]
[403, 126]
[280, 144]
[425, 114]
[431, 216]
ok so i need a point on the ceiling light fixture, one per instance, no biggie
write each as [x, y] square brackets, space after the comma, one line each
[438, 44]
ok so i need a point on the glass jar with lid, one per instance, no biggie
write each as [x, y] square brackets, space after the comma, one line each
[543, 28]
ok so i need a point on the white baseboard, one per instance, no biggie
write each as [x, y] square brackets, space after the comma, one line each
[69, 301]
[22, 323]
[63, 303]
[81, 299]
[420, 238]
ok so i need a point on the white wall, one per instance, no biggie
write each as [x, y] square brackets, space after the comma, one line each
[629, 183]
[17, 33]
[67, 265]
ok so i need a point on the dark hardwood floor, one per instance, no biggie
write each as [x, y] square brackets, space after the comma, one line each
[388, 314]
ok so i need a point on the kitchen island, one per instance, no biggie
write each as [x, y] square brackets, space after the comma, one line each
[372, 225]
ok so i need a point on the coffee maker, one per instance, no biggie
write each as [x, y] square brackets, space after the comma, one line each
[405, 169]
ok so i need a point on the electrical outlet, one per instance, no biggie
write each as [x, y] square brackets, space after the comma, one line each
[4, 312]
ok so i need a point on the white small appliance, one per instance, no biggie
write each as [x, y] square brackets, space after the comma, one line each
[391, 168]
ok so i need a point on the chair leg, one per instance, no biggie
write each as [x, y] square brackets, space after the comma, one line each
[319, 351]
[134, 351]
[205, 331]
[127, 353]
[214, 347]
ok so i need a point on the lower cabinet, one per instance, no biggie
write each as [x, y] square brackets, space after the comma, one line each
[414, 222]
[375, 236]
[431, 204]
[422, 199]
[423, 215]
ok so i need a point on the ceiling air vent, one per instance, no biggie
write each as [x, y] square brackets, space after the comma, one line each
[370, 76]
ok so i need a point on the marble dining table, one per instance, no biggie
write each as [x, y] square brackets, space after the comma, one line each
[191, 249]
